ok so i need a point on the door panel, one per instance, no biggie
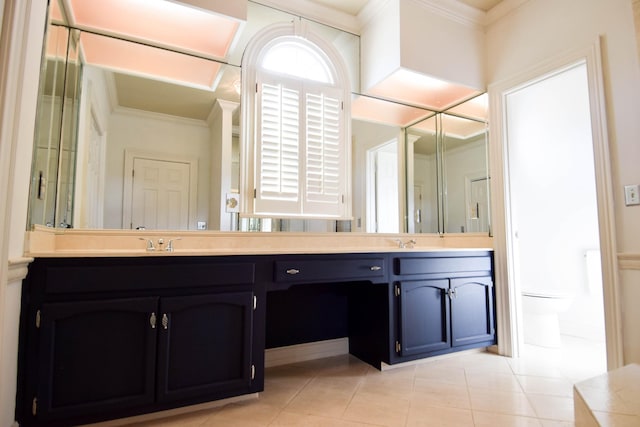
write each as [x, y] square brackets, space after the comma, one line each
[472, 311]
[96, 356]
[424, 311]
[204, 345]
[160, 196]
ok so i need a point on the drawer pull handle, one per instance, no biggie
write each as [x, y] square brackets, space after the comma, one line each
[293, 271]
[375, 268]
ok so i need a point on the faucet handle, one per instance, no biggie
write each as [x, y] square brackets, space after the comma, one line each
[169, 247]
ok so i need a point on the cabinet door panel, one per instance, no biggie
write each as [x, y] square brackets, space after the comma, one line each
[96, 356]
[205, 347]
[472, 311]
[424, 316]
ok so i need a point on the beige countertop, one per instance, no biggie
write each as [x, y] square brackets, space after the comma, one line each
[49, 242]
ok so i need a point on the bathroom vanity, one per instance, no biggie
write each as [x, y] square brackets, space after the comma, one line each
[112, 337]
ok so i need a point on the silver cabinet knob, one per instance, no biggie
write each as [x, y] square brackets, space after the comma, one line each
[293, 271]
[375, 268]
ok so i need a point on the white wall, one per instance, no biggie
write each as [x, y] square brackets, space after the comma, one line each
[380, 45]
[418, 36]
[435, 45]
[156, 134]
[543, 29]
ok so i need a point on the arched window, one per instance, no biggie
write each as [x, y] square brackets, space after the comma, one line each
[296, 129]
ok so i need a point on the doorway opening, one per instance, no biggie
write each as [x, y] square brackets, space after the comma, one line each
[554, 221]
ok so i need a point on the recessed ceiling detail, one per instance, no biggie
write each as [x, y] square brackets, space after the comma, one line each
[379, 111]
[141, 60]
[158, 22]
[421, 90]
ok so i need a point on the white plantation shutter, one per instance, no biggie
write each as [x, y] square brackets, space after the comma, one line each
[278, 149]
[300, 153]
[324, 153]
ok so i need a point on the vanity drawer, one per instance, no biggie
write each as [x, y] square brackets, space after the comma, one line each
[442, 265]
[329, 270]
[104, 276]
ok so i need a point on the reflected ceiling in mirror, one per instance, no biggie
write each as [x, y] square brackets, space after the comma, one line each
[175, 24]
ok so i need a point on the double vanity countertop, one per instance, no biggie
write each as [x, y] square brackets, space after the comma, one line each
[44, 242]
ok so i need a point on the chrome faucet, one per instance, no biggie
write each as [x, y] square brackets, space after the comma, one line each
[408, 244]
[150, 246]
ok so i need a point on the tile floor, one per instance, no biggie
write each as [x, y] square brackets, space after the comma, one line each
[471, 389]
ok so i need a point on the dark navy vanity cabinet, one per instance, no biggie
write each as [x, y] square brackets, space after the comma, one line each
[105, 338]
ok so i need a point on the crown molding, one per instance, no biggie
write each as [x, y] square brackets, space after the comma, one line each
[370, 10]
[455, 11]
[501, 10]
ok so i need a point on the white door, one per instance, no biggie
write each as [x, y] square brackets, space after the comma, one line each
[553, 201]
[478, 205]
[160, 194]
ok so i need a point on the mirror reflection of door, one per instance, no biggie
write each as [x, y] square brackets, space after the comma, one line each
[383, 216]
[477, 195]
[160, 194]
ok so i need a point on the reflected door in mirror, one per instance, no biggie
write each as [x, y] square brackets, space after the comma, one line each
[160, 195]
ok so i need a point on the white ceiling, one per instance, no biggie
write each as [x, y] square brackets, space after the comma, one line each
[352, 7]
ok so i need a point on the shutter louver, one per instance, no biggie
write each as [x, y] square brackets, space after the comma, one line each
[323, 145]
[279, 148]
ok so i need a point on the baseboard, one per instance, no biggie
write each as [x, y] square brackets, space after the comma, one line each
[303, 352]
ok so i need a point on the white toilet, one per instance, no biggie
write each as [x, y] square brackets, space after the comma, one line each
[540, 310]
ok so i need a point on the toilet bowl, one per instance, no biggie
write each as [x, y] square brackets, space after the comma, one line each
[540, 310]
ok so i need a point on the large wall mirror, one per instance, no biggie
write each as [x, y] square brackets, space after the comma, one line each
[111, 104]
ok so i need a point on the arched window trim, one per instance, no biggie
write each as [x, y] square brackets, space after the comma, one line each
[249, 182]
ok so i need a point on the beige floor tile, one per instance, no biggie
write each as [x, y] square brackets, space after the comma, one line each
[554, 423]
[188, 420]
[291, 419]
[501, 402]
[436, 393]
[492, 419]
[322, 401]
[377, 409]
[427, 416]
[484, 361]
[547, 386]
[252, 413]
[552, 407]
[446, 374]
[493, 381]
[394, 387]
[537, 367]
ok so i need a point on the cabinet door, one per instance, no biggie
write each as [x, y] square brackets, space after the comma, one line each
[96, 357]
[472, 311]
[204, 345]
[424, 316]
